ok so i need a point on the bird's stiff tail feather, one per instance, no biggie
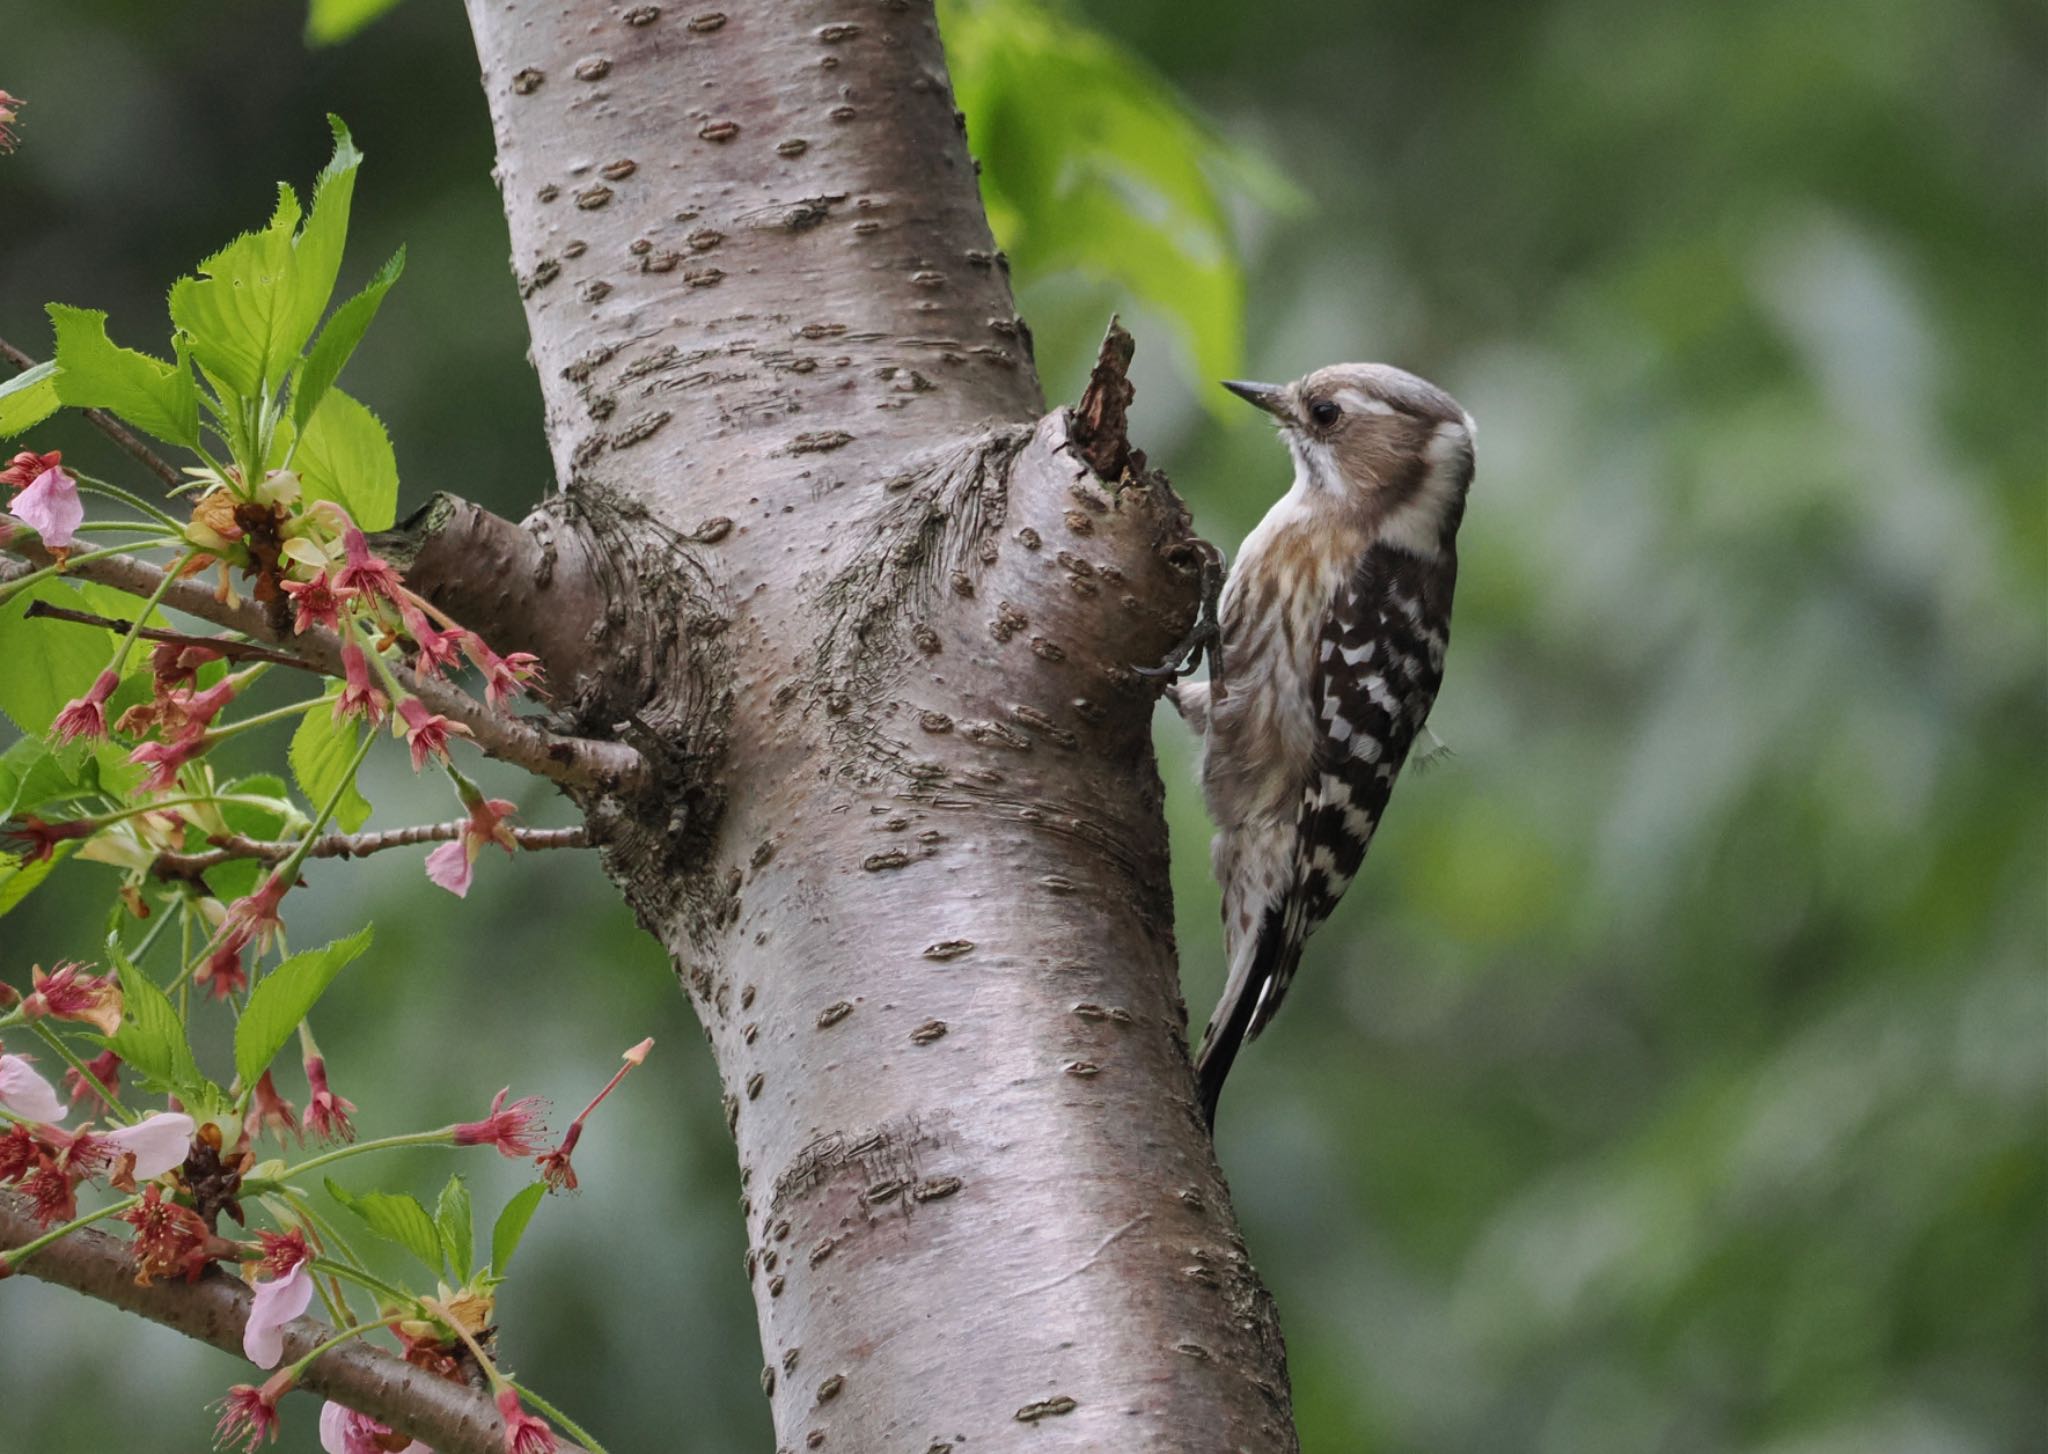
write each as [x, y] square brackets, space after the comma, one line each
[1258, 973]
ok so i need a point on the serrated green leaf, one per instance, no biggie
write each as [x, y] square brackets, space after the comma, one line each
[316, 251]
[18, 879]
[31, 775]
[511, 1226]
[94, 372]
[328, 21]
[395, 1216]
[283, 997]
[28, 398]
[345, 456]
[338, 340]
[452, 1217]
[152, 1038]
[323, 754]
[47, 663]
[237, 312]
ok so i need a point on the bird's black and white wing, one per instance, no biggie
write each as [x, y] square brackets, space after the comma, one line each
[1379, 661]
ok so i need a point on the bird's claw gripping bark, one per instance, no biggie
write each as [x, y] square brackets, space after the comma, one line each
[1205, 636]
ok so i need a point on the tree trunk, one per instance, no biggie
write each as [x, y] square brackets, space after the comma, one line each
[874, 620]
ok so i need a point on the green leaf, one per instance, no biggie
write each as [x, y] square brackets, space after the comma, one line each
[345, 456]
[452, 1216]
[283, 997]
[323, 754]
[396, 1216]
[328, 21]
[31, 775]
[238, 311]
[511, 1226]
[46, 663]
[93, 372]
[338, 340]
[316, 252]
[18, 879]
[151, 1037]
[28, 398]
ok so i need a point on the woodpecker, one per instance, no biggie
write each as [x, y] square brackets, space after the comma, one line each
[1332, 626]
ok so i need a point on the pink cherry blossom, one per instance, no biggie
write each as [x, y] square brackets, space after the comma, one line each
[52, 507]
[449, 866]
[158, 1143]
[280, 1299]
[165, 760]
[504, 676]
[344, 1431]
[21, 471]
[314, 603]
[248, 1416]
[327, 1114]
[68, 993]
[28, 1095]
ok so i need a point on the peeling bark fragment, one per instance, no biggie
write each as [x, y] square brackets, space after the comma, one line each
[1046, 1408]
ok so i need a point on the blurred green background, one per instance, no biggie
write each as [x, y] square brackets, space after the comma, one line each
[1676, 1077]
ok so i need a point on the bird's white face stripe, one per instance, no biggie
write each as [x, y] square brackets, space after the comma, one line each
[1360, 402]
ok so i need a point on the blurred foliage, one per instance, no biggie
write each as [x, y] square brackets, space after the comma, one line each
[1676, 1077]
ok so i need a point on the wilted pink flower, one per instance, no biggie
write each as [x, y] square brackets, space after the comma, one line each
[86, 716]
[428, 732]
[69, 994]
[524, 1434]
[52, 1194]
[450, 865]
[286, 1260]
[171, 1240]
[165, 760]
[504, 676]
[359, 695]
[222, 974]
[256, 914]
[515, 1129]
[344, 1431]
[20, 1152]
[248, 1416]
[269, 1111]
[31, 1097]
[555, 1167]
[370, 574]
[314, 603]
[36, 840]
[22, 470]
[105, 1068]
[10, 107]
[327, 1114]
[437, 650]
[177, 663]
[51, 506]
[189, 711]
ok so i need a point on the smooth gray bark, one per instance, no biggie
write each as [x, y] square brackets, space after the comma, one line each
[874, 620]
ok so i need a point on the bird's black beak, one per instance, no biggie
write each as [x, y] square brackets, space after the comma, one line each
[1270, 397]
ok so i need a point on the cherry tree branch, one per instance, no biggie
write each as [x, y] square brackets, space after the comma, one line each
[352, 845]
[108, 425]
[450, 1417]
[571, 761]
[231, 650]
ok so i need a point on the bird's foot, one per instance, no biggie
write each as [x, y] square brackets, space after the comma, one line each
[1205, 636]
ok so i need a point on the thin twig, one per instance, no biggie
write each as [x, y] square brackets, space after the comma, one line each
[108, 425]
[231, 650]
[352, 845]
[572, 761]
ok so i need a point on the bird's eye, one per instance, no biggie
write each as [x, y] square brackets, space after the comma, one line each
[1324, 413]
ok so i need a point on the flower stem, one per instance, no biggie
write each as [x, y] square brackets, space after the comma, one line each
[112, 491]
[569, 1426]
[56, 1043]
[443, 1137]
